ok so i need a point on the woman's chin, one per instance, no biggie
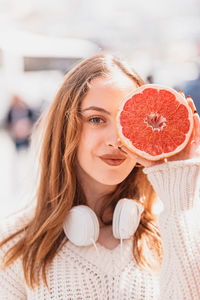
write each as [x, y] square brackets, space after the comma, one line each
[110, 181]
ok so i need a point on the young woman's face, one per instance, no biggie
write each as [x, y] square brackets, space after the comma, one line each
[98, 155]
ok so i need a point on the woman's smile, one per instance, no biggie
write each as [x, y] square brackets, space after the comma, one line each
[113, 159]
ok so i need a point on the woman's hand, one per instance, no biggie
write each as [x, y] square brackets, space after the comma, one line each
[140, 160]
[192, 149]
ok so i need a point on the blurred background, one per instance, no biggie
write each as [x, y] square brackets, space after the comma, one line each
[40, 40]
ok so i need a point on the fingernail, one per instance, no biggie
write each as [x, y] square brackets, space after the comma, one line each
[190, 98]
[181, 92]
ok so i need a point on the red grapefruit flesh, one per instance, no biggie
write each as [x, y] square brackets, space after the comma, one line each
[154, 122]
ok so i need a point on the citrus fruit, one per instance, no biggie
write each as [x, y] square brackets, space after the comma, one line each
[154, 122]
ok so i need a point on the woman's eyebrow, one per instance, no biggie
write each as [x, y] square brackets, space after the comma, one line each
[97, 109]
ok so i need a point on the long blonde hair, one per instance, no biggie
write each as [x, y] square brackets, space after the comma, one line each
[59, 188]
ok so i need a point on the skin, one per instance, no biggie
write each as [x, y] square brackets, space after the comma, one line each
[99, 137]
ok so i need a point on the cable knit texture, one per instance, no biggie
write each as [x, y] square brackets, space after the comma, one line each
[79, 273]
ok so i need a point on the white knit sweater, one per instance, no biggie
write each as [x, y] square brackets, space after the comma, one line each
[78, 273]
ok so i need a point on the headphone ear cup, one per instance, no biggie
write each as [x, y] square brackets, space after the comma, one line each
[126, 218]
[81, 226]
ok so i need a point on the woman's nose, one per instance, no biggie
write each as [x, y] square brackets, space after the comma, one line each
[113, 139]
[115, 144]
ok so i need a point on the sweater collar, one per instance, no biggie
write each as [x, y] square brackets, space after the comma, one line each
[108, 261]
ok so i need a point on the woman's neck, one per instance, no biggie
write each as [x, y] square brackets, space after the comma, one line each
[94, 191]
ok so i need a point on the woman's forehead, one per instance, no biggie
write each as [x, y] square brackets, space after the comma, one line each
[112, 87]
[116, 79]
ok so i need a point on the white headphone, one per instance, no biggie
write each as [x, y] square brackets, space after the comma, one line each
[82, 227]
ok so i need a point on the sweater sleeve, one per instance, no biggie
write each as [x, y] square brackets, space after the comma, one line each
[12, 283]
[177, 184]
[11, 278]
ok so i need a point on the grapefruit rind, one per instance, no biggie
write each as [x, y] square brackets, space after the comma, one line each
[126, 142]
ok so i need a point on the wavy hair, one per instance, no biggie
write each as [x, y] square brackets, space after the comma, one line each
[59, 188]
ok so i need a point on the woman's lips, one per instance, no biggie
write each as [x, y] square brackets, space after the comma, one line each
[112, 161]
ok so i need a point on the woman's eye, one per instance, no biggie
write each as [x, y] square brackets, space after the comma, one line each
[96, 120]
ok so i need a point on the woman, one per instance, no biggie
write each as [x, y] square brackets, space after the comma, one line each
[83, 163]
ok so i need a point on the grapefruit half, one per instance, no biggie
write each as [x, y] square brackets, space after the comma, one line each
[154, 122]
